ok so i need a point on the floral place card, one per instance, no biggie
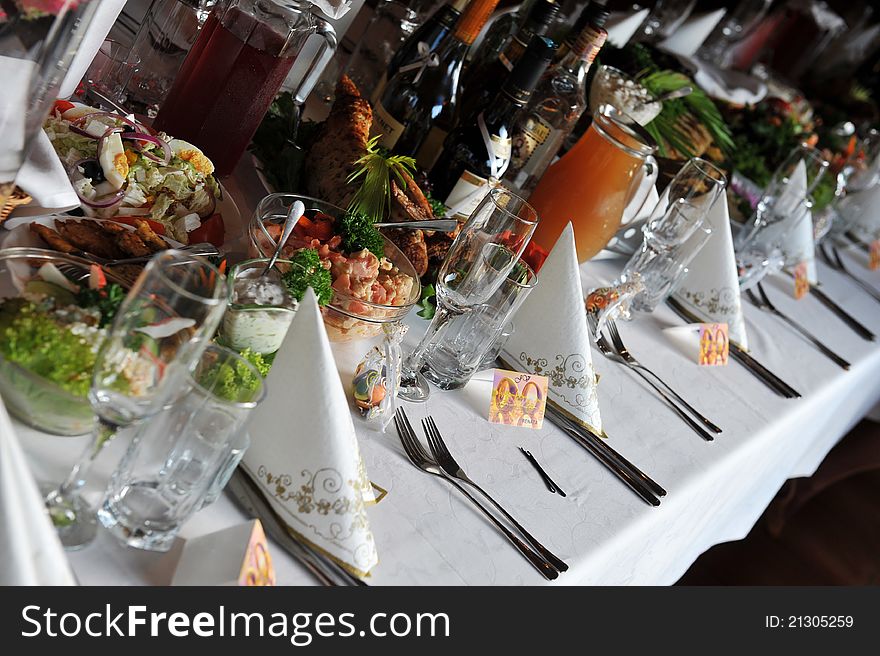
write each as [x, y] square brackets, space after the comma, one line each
[714, 344]
[518, 399]
[801, 280]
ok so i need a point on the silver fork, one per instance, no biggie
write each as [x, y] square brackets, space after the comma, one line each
[832, 257]
[764, 303]
[419, 457]
[452, 468]
[606, 350]
[631, 361]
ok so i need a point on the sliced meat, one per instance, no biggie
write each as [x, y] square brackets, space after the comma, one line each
[88, 236]
[132, 245]
[52, 238]
[412, 243]
[150, 238]
[341, 141]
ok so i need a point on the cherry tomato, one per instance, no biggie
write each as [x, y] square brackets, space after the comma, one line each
[63, 105]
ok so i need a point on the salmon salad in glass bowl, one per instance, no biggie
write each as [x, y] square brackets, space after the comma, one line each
[370, 283]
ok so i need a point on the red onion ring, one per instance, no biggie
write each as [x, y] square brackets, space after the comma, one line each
[155, 141]
[81, 132]
[111, 200]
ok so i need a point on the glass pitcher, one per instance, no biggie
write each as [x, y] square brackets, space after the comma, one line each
[592, 183]
[166, 35]
[243, 54]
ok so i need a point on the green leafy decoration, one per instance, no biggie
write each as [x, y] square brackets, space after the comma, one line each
[665, 128]
[359, 233]
[428, 302]
[375, 170]
[307, 271]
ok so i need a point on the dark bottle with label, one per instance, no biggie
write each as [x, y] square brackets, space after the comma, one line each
[417, 107]
[481, 81]
[479, 149]
[430, 33]
[556, 105]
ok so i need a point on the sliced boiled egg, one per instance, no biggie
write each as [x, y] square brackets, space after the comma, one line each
[78, 111]
[189, 153]
[113, 161]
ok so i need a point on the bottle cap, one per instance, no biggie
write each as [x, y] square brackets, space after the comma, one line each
[594, 14]
[543, 12]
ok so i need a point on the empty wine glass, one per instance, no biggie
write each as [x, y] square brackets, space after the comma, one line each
[478, 262]
[159, 332]
[782, 205]
[669, 245]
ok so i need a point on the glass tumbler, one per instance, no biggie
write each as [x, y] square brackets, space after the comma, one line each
[105, 79]
[175, 460]
[460, 350]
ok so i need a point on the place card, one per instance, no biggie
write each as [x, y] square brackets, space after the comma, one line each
[238, 555]
[518, 399]
[874, 255]
[801, 280]
[714, 344]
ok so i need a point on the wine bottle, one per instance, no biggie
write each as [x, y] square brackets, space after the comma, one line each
[556, 105]
[417, 107]
[480, 83]
[499, 34]
[431, 33]
[477, 151]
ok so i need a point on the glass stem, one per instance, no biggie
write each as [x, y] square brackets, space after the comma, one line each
[103, 433]
[413, 363]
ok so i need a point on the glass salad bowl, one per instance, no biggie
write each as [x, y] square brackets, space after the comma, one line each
[350, 314]
[28, 396]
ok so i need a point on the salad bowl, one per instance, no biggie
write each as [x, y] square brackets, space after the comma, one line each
[349, 315]
[31, 398]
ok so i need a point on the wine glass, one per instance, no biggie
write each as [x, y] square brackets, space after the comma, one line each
[159, 332]
[781, 206]
[737, 24]
[478, 262]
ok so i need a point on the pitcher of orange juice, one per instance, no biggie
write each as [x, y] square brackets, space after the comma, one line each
[592, 183]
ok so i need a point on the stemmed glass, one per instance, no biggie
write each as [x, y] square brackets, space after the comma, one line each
[477, 264]
[669, 245]
[737, 23]
[673, 235]
[159, 333]
[786, 198]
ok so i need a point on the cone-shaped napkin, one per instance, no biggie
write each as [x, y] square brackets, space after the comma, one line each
[621, 26]
[690, 35]
[710, 289]
[552, 338]
[304, 452]
[801, 246]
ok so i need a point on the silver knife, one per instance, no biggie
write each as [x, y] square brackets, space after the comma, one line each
[252, 501]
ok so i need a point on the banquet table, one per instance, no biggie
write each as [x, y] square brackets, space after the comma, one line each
[427, 534]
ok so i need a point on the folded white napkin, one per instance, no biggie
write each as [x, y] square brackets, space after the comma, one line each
[44, 178]
[15, 75]
[29, 548]
[622, 25]
[801, 246]
[552, 337]
[333, 8]
[710, 288]
[105, 14]
[730, 86]
[690, 35]
[304, 452]
[860, 212]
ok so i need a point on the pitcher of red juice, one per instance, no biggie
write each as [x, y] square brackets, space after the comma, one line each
[230, 77]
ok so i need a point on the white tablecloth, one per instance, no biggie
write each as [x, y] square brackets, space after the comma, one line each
[426, 534]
